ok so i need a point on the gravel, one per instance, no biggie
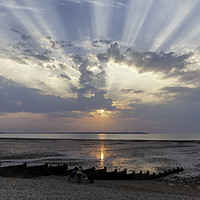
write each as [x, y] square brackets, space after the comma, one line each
[58, 187]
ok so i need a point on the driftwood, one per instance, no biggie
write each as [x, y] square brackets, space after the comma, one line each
[24, 171]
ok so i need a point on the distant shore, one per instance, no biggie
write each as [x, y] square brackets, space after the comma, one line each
[75, 133]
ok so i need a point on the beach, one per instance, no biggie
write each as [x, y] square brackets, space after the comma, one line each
[152, 156]
[59, 187]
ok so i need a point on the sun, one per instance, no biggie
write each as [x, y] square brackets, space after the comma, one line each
[101, 113]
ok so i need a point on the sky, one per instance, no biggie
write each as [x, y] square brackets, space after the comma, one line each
[100, 65]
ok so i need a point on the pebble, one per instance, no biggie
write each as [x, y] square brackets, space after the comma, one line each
[60, 188]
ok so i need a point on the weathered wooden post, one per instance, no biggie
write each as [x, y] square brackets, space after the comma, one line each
[148, 174]
[105, 169]
[25, 171]
[153, 175]
[133, 175]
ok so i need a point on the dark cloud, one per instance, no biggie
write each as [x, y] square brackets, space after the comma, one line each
[23, 36]
[62, 66]
[184, 106]
[95, 102]
[98, 43]
[49, 66]
[15, 30]
[86, 75]
[15, 98]
[27, 51]
[18, 60]
[68, 114]
[175, 89]
[76, 59]
[103, 57]
[179, 115]
[43, 57]
[64, 76]
[91, 81]
[168, 94]
[190, 77]
[86, 89]
[169, 64]
[113, 52]
[32, 49]
[156, 62]
[56, 44]
[132, 91]
[103, 41]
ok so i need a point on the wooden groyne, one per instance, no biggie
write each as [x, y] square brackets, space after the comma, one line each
[123, 175]
[25, 171]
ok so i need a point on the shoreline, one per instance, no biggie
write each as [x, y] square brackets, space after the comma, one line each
[111, 140]
[58, 187]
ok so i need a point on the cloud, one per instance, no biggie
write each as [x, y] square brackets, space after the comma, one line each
[56, 44]
[76, 59]
[18, 60]
[132, 91]
[62, 66]
[156, 62]
[98, 101]
[98, 43]
[185, 106]
[179, 90]
[179, 115]
[92, 80]
[23, 36]
[86, 89]
[189, 77]
[113, 52]
[42, 57]
[169, 64]
[15, 98]
[64, 76]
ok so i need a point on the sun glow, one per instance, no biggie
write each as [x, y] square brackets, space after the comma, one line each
[122, 77]
[102, 113]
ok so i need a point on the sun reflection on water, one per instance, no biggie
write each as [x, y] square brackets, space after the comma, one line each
[101, 136]
[102, 155]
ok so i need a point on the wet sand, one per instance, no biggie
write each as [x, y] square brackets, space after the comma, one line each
[57, 187]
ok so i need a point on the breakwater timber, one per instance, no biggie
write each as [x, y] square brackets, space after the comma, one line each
[25, 171]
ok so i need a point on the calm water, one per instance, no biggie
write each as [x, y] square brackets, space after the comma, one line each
[102, 136]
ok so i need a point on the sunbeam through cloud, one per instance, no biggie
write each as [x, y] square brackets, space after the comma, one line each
[98, 65]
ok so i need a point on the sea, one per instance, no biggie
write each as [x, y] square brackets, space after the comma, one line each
[103, 136]
[138, 152]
